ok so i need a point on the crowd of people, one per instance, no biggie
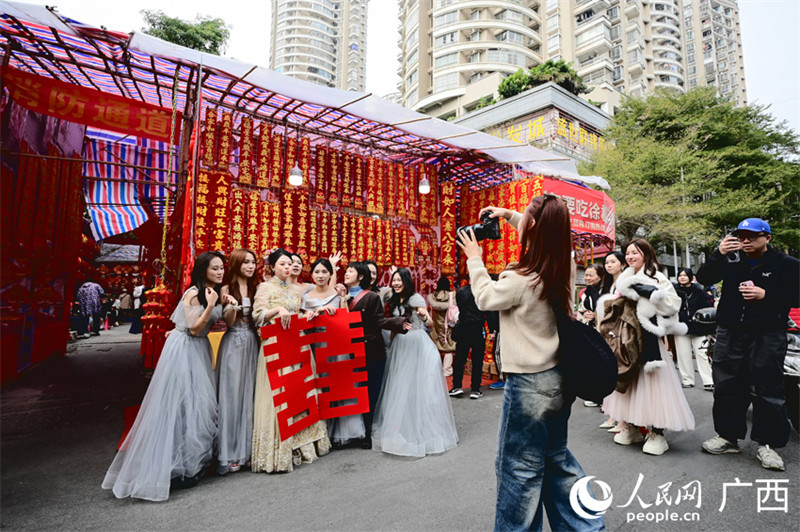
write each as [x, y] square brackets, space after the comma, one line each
[194, 415]
[94, 310]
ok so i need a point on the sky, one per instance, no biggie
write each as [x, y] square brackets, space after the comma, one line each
[770, 39]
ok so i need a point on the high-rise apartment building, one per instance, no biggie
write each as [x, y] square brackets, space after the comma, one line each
[322, 41]
[454, 53]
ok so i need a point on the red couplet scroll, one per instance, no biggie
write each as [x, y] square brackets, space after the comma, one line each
[292, 377]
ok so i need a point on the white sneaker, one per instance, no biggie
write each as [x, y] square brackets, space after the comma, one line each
[607, 424]
[769, 458]
[590, 403]
[629, 435]
[656, 444]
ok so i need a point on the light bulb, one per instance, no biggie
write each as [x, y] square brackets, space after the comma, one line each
[295, 176]
[424, 186]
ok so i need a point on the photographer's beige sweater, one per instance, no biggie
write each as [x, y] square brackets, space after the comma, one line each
[528, 334]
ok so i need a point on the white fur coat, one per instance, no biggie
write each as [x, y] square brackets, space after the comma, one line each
[663, 304]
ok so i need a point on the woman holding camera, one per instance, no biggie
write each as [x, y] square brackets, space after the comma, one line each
[533, 465]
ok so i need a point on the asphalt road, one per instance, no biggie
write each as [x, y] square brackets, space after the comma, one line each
[59, 426]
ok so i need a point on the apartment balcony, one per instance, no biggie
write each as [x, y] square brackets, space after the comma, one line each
[632, 9]
[636, 67]
[601, 62]
[598, 5]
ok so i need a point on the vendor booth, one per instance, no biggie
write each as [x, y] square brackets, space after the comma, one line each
[216, 154]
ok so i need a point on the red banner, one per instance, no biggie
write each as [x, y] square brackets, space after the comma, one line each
[253, 219]
[591, 211]
[202, 217]
[237, 211]
[304, 160]
[448, 228]
[264, 154]
[276, 159]
[221, 188]
[334, 183]
[320, 175]
[346, 189]
[89, 106]
[210, 138]
[225, 142]
[246, 151]
[358, 182]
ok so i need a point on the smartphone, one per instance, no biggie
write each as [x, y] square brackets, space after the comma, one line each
[733, 256]
[746, 283]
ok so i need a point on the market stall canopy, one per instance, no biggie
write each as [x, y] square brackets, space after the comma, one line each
[40, 40]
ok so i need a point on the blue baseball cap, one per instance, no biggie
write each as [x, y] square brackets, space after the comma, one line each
[753, 225]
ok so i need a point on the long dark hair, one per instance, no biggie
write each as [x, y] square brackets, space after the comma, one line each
[325, 263]
[234, 266]
[400, 299]
[651, 264]
[372, 285]
[546, 250]
[198, 280]
[443, 284]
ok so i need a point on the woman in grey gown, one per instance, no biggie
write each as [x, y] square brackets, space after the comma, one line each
[172, 440]
[236, 363]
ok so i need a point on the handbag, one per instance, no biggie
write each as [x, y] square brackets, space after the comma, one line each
[451, 317]
[587, 361]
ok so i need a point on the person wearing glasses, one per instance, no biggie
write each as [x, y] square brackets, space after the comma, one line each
[759, 286]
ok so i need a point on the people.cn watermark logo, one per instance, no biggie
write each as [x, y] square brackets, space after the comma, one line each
[585, 504]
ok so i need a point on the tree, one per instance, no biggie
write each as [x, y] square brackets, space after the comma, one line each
[559, 72]
[691, 166]
[205, 34]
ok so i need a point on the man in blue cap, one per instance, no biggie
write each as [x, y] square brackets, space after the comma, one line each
[759, 286]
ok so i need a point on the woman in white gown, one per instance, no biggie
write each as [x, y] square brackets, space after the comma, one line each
[172, 439]
[414, 416]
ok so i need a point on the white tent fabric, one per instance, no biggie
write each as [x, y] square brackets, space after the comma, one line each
[375, 109]
[361, 105]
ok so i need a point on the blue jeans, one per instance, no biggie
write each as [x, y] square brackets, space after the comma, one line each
[533, 465]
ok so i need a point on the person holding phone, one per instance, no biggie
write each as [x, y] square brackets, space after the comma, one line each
[759, 286]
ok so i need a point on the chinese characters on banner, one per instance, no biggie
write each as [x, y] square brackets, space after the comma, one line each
[89, 107]
[246, 151]
[221, 188]
[448, 228]
[210, 138]
[225, 142]
[238, 213]
[202, 217]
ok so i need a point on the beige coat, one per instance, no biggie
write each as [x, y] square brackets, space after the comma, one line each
[440, 302]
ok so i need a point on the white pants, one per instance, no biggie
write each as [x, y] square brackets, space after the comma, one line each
[685, 345]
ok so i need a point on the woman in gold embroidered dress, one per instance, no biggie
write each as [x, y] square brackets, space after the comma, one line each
[276, 301]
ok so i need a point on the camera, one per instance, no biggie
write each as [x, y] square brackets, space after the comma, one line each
[488, 228]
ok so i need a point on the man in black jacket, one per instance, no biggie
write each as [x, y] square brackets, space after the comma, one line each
[759, 286]
[469, 336]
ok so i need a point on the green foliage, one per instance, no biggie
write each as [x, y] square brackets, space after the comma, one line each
[205, 34]
[486, 101]
[513, 84]
[559, 72]
[737, 162]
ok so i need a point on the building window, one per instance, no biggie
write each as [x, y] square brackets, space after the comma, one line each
[475, 58]
[446, 40]
[615, 52]
[554, 42]
[445, 60]
[475, 15]
[412, 78]
[511, 36]
[445, 81]
[632, 36]
[690, 35]
[552, 21]
[613, 13]
[413, 57]
[475, 77]
[475, 36]
[692, 70]
[551, 4]
[691, 59]
[446, 19]
[690, 47]
[502, 56]
[413, 38]
[615, 32]
[591, 33]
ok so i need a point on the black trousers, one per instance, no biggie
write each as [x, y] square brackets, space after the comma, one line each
[375, 370]
[747, 361]
[470, 338]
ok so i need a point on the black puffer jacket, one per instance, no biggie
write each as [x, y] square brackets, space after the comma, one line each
[693, 298]
[778, 274]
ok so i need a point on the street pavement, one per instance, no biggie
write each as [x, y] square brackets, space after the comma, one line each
[60, 424]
